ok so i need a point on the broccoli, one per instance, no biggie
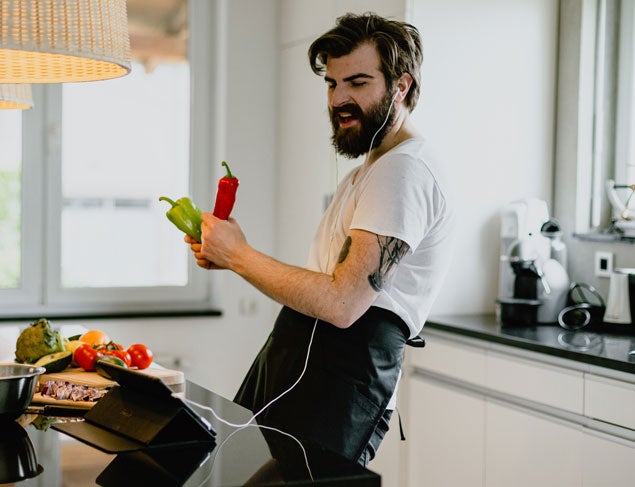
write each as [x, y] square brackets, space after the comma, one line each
[37, 340]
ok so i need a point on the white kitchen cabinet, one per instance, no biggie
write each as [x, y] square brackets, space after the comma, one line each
[486, 414]
[446, 428]
[452, 358]
[523, 448]
[536, 381]
[607, 461]
[610, 400]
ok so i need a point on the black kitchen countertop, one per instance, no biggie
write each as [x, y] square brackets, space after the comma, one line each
[239, 455]
[605, 345]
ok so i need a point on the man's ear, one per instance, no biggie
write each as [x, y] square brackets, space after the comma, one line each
[403, 85]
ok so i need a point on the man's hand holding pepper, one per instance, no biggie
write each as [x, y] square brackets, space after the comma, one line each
[195, 246]
[221, 242]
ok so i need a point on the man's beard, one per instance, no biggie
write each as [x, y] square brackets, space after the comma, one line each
[355, 141]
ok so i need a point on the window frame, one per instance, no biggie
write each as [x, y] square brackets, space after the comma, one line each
[588, 115]
[41, 291]
[625, 103]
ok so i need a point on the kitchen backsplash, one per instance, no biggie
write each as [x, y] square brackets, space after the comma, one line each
[581, 258]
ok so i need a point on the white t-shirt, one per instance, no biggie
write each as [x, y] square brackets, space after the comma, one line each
[403, 195]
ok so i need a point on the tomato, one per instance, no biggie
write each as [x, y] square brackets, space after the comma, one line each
[85, 356]
[113, 349]
[120, 354]
[141, 355]
[95, 337]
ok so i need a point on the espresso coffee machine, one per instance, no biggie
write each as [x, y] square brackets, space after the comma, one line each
[532, 282]
[521, 221]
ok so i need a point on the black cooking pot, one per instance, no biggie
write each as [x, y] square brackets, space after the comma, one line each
[17, 455]
[17, 386]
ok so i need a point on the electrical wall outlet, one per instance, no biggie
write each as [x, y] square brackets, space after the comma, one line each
[603, 263]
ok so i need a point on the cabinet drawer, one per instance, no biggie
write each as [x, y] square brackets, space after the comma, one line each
[452, 359]
[536, 381]
[610, 400]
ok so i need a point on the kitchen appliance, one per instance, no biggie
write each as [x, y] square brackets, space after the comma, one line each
[17, 386]
[620, 307]
[539, 292]
[521, 221]
[521, 308]
[533, 281]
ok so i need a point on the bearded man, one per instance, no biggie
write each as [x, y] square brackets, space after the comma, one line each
[328, 372]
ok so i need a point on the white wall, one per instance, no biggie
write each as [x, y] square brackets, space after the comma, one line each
[487, 104]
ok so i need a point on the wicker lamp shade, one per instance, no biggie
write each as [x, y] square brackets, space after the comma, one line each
[55, 41]
[15, 97]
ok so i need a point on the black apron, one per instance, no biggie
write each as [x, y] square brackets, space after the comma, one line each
[350, 377]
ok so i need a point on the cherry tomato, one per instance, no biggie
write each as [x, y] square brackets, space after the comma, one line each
[110, 345]
[141, 355]
[85, 356]
[113, 349]
[120, 354]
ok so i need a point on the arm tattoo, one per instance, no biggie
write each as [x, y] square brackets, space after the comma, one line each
[345, 248]
[391, 251]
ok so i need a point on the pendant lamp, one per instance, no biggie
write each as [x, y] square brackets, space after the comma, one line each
[15, 97]
[56, 41]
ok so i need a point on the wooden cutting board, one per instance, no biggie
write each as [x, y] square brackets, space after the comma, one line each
[40, 399]
[93, 379]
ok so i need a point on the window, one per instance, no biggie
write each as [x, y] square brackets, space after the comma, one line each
[625, 123]
[81, 174]
[624, 176]
[10, 194]
[615, 67]
[124, 144]
[596, 114]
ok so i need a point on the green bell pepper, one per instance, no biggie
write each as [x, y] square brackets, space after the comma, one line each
[185, 215]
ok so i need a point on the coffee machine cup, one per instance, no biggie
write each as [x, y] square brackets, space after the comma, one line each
[620, 306]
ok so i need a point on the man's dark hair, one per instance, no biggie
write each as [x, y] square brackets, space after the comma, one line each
[398, 44]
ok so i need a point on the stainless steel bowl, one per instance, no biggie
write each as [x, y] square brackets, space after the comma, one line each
[17, 386]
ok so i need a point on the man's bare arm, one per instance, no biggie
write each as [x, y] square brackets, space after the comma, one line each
[339, 299]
